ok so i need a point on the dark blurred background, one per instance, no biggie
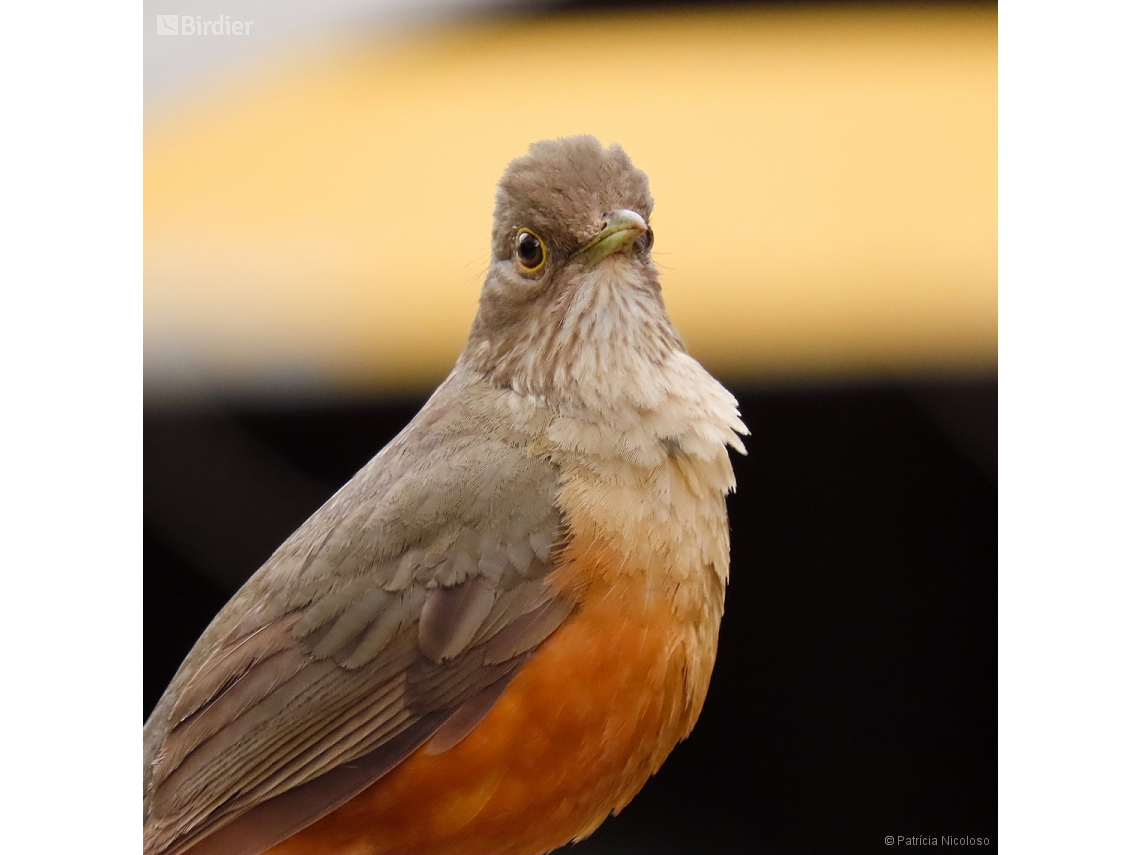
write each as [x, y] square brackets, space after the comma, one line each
[316, 216]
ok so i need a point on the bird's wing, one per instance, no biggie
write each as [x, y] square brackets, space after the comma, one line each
[398, 613]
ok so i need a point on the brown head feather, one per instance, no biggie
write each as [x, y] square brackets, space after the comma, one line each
[543, 333]
[563, 188]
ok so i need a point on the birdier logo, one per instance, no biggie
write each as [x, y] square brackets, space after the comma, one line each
[193, 25]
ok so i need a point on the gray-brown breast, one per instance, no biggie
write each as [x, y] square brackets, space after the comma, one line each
[395, 615]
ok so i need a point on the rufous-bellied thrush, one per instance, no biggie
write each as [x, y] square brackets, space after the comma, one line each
[489, 638]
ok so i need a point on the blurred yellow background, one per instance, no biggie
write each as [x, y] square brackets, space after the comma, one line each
[825, 180]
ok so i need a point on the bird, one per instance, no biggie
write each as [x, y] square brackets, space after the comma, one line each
[492, 636]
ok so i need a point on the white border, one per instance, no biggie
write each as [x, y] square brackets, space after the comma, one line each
[71, 360]
[1069, 427]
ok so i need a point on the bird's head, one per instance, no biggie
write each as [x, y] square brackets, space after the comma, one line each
[571, 265]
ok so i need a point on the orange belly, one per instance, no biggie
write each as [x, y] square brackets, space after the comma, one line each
[575, 735]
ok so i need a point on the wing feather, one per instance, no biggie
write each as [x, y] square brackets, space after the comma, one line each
[275, 819]
[400, 608]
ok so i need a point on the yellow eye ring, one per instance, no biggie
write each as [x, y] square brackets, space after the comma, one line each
[530, 252]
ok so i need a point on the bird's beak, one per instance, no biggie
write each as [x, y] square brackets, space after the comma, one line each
[622, 228]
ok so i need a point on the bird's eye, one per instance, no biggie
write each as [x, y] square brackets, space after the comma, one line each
[530, 252]
[645, 242]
